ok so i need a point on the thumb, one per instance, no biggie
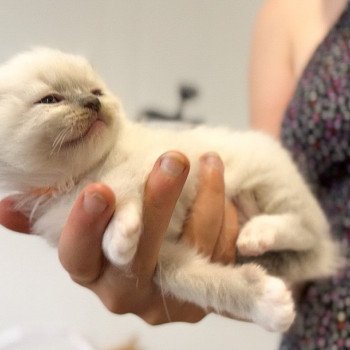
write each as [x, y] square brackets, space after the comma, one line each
[80, 242]
[11, 218]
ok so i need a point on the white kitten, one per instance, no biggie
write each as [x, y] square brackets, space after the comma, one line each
[61, 128]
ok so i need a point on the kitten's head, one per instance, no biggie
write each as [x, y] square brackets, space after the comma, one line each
[57, 119]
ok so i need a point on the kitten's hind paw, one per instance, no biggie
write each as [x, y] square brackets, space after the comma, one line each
[122, 236]
[274, 310]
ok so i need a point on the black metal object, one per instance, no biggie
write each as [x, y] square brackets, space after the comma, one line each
[186, 94]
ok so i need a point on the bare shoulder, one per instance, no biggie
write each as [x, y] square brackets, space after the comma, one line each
[276, 11]
[310, 21]
[302, 23]
[292, 12]
[286, 34]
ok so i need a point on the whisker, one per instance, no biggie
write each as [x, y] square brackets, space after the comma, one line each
[59, 140]
[63, 138]
[68, 130]
[54, 144]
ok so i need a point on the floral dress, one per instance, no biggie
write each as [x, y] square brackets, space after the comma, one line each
[316, 130]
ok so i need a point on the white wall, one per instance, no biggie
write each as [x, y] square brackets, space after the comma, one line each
[144, 49]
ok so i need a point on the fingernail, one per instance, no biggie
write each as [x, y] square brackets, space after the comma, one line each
[171, 165]
[213, 160]
[94, 203]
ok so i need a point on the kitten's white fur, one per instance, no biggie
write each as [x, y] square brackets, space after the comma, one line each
[43, 145]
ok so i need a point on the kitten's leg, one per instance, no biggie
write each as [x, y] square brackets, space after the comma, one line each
[122, 234]
[244, 291]
[264, 233]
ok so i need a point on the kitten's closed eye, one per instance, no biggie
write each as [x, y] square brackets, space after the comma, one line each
[50, 99]
[97, 92]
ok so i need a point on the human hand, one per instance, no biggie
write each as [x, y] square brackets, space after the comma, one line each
[211, 228]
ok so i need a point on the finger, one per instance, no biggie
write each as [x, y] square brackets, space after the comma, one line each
[80, 243]
[162, 191]
[225, 248]
[203, 227]
[12, 218]
[169, 309]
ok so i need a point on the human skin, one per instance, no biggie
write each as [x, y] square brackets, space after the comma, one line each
[212, 228]
[285, 36]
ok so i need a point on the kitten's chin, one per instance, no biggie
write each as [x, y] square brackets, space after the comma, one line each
[97, 128]
[81, 155]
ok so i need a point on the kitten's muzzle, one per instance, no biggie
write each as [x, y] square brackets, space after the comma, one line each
[91, 102]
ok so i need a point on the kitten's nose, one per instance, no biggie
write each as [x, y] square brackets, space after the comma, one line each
[91, 102]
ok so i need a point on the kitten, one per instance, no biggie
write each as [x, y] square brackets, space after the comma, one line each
[61, 128]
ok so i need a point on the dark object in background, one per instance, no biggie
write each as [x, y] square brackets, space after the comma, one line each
[186, 94]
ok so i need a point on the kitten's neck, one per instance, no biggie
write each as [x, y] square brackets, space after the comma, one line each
[70, 183]
[56, 189]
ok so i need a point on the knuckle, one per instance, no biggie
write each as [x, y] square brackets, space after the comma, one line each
[152, 320]
[82, 275]
[116, 306]
[214, 183]
[223, 257]
[228, 257]
[78, 280]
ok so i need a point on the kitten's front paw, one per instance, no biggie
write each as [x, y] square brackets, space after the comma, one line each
[122, 236]
[274, 310]
[257, 237]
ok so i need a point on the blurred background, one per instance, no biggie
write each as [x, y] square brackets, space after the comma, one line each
[145, 50]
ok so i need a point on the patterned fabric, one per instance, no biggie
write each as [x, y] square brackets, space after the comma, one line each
[316, 129]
